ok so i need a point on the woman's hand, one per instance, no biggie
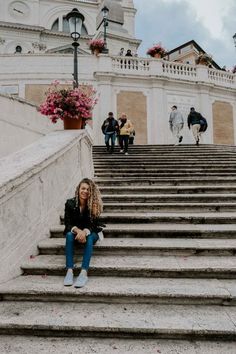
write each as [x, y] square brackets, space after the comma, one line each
[81, 236]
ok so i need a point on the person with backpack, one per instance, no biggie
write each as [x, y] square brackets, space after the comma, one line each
[109, 128]
[194, 122]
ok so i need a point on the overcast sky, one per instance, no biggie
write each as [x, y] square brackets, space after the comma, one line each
[211, 23]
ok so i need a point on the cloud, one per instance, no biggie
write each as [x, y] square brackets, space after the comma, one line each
[174, 23]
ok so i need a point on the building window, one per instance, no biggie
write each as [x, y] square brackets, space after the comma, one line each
[18, 49]
[55, 26]
[65, 26]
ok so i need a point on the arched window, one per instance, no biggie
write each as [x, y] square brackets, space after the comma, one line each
[55, 26]
[65, 26]
[18, 49]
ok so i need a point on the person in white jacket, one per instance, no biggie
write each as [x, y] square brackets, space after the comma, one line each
[176, 121]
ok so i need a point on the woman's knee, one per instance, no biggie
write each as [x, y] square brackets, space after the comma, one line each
[91, 238]
[70, 237]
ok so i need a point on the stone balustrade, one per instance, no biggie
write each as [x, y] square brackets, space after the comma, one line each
[34, 184]
[146, 66]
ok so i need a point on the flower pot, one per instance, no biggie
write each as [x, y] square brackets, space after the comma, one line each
[203, 62]
[70, 123]
[96, 51]
[157, 55]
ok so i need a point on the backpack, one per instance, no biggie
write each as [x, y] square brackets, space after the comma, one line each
[204, 125]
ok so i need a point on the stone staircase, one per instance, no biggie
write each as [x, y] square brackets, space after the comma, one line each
[164, 278]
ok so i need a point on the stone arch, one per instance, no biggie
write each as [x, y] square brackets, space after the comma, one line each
[223, 123]
[134, 104]
[53, 14]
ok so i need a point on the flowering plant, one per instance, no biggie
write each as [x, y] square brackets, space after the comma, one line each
[96, 44]
[157, 49]
[204, 58]
[71, 103]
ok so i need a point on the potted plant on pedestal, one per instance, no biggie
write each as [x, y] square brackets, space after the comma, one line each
[72, 105]
[157, 51]
[96, 46]
[204, 59]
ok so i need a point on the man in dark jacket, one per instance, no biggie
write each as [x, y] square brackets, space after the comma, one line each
[194, 121]
[110, 127]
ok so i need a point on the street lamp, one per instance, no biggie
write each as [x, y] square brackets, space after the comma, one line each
[105, 12]
[75, 19]
[234, 38]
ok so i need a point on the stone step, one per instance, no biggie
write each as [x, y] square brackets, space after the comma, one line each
[173, 291]
[146, 246]
[118, 320]
[125, 159]
[169, 198]
[169, 207]
[158, 169]
[166, 181]
[148, 174]
[175, 151]
[167, 230]
[170, 217]
[54, 345]
[223, 267]
[166, 147]
[160, 165]
[170, 190]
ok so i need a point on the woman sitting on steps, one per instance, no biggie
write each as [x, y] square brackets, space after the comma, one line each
[82, 225]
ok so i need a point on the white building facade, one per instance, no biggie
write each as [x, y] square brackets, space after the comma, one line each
[143, 88]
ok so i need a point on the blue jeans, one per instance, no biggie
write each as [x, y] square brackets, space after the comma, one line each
[124, 140]
[88, 249]
[113, 140]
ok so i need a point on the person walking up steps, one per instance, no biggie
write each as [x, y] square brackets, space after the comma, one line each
[194, 119]
[176, 124]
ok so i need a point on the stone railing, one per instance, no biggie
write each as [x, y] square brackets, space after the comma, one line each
[34, 184]
[179, 70]
[130, 64]
[158, 67]
[221, 77]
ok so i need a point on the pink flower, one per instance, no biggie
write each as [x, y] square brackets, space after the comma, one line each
[96, 44]
[68, 103]
[157, 48]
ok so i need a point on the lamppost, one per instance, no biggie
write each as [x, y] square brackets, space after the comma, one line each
[234, 38]
[105, 12]
[75, 19]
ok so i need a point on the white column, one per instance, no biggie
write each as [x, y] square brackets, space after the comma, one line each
[205, 108]
[156, 116]
[104, 106]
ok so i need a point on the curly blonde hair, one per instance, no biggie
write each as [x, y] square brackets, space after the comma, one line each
[94, 203]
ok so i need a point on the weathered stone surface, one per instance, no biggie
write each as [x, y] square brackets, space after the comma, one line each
[53, 345]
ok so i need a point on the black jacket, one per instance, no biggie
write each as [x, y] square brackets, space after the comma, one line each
[74, 217]
[194, 118]
[110, 125]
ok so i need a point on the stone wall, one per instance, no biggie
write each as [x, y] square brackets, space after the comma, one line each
[34, 184]
[21, 124]
[135, 106]
[223, 124]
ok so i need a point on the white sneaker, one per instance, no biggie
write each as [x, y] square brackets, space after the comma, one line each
[121, 150]
[126, 153]
[81, 281]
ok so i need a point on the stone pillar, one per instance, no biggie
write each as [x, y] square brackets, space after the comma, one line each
[104, 106]
[157, 124]
[205, 108]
